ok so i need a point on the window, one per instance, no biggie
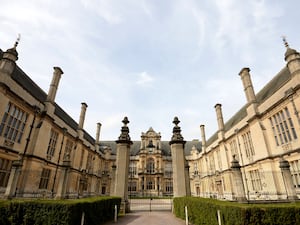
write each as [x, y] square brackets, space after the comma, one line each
[219, 159]
[132, 186]
[168, 170]
[13, 123]
[295, 171]
[255, 180]
[169, 186]
[44, 179]
[283, 127]
[212, 166]
[132, 169]
[234, 149]
[150, 166]
[195, 168]
[5, 167]
[248, 144]
[89, 163]
[68, 148]
[150, 183]
[52, 143]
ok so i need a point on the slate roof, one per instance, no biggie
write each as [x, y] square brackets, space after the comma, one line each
[33, 89]
[165, 147]
[267, 91]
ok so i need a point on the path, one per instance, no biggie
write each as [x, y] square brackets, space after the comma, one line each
[148, 218]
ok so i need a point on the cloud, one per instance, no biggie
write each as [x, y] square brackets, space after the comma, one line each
[144, 79]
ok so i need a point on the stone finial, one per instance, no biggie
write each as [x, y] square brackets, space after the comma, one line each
[286, 44]
[124, 136]
[177, 137]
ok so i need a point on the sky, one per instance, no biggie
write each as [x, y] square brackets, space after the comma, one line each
[150, 60]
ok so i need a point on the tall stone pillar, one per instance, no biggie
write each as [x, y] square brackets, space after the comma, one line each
[287, 179]
[13, 179]
[63, 179]
[122, 163]
[181, 182]
[238, 185]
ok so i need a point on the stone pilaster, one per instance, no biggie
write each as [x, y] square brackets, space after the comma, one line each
[11, 188]
[287, 179]
[180, 178]
[122, 163]
[238, 185]
[63, 179]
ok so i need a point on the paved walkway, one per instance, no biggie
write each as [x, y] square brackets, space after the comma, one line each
[148, 218]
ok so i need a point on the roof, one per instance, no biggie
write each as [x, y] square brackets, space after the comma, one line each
[267, 91]
[34, 90]
[165, 147]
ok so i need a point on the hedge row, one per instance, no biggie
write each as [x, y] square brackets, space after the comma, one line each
[60, 212]
[204, 211]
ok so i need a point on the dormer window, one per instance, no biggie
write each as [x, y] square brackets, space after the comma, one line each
[150, 147]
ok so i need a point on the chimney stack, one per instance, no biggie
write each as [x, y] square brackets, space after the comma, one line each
[98, 133]
[203, 138]
[248, 87]
[82, 115]
[218, 108]
[54, 84]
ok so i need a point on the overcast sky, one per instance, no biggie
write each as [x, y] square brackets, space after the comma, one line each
[150, 60]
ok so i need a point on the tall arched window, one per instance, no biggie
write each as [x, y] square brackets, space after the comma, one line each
[150, 166]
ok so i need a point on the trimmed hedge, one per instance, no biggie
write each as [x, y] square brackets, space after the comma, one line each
[204, 211]
[60, 212]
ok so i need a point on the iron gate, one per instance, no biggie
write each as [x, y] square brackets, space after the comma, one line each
[151, 204]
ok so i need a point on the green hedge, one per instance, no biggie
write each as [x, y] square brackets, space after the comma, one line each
[60, 212]
[204, 211]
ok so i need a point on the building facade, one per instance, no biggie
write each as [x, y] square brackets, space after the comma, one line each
[253, 156]
[43, 151]
[261, 140]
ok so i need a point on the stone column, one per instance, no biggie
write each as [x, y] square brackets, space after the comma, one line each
[11, 188]
[180, 178]
[287, 179]
[238, 185]
[63, 179]
[122, 163]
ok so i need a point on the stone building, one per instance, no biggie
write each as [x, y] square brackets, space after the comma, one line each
[253, 156]
[261, 142]
[150, 167]
[43, 151]
[46, 153]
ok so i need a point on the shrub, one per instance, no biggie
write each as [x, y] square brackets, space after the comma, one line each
[204, 211]
[60, 212]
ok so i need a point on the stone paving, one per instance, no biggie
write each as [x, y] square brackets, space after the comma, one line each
[148, 218]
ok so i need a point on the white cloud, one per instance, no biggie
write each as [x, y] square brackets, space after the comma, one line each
[144, 79]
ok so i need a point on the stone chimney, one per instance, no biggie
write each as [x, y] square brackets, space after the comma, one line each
[98, 133]
[248, 87]
[8, 61]
[82, 115]
[54, 84]
[218, 108]
[203, 138]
